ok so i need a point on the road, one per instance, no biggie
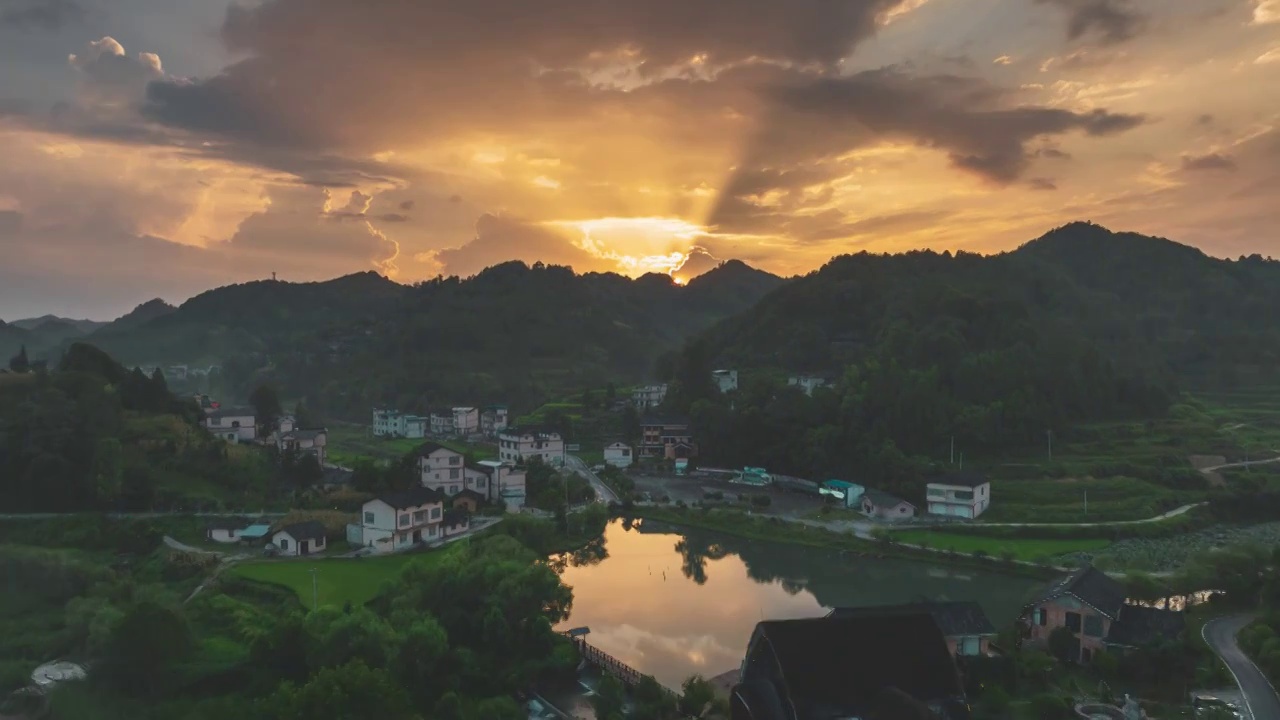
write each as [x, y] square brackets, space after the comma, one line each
[1172, 513]
[1260, 697]
[603, 493]
[1250, 463]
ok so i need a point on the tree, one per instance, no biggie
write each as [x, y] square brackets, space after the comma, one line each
[19, 363]
[630, 424]
[652, 702]
[1063, 645]
[418, 657]
[696, 695]
[588, 400]
[610, 395]
[610, 698]
[266, 406]
[144, 647]
[336, 638]
[351, 691]
[303, 417]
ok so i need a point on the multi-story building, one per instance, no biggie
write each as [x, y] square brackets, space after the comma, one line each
[807, 383]
[618, 455]
[666, 439]
[440, 468]
[497, 482]
[441, 422]
[304, 442]
[519, 445]
[393, 521]
[649, 396]
[466, 421]
[393, 423]
[961, 495]
[231, 424]
[493, 419]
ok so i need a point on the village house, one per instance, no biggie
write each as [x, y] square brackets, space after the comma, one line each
[806, 383]
[285, 423]
[232, 424]
[304, 538]
[498, 481]
[393, 423]
[849, 494]
[666, 439]
[440, 468]
[225, 530]
[1092, 606]
[519, 445]
[725, 380]
[455, 521]
[304, 442]
[649, 396]
[441, 422]
[466, 421]
[394, 521]
[618, 455]
[493, 419]
[962, 495]
[467, 499]
[965, 625]
[882, 505]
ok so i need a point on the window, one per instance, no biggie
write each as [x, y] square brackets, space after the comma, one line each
[455, 460]
[419, 516]
[453, 489]
[284, 543]
[235, 423]
[1038, 617]
[1073, 622]
[1086, 655]
[435, 513]
[964, 495]
[368, 518]
[970, 646]
[453, 473]
[1093, 626]
[403, 537]
[404, 520]
[480, 482]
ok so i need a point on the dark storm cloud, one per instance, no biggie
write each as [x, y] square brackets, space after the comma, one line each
[1212, 161]
[44, 14]
[360, 75]
[1111, 21]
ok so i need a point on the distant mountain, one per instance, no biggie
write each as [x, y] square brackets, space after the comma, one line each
[41, 336]
[83, 326]
[144, 313]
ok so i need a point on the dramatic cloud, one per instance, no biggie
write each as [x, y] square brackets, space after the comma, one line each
[110, 77]
[1266, 11]
[45, 14]
[1212, 161]
[499, 238]
[1111, 21]
[699, 261]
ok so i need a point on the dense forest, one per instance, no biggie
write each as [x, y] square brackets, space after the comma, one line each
[995, 352]
[91, 435]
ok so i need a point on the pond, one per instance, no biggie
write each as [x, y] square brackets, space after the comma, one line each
[673, 602]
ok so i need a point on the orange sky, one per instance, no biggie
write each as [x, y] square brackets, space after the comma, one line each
[161, 149]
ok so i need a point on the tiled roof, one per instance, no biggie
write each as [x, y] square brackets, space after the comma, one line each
[1092, 587]
[413, 497]
[310, 530]
[427, 448]
[230, 412]
[1139, 626]
[469, 493]
[883, 499]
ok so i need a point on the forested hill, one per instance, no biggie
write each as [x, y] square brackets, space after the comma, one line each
[514, 334]
[1080, 325]
[1136, 303]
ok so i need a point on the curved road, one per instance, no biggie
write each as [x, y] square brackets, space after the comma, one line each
[603, 493]
[1260, 697]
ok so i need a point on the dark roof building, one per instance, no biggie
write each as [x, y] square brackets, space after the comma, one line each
[883, 499]
[468, 494]
[303, 434]
[310, 530]
[960, 617]
[427, 448]
[413, 497]
[1091, 587]
[223, 412]
[1139, 626]
[961, 479]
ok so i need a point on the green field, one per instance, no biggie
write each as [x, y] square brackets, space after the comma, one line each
[348, 443]
[337, 580]
[1022, 549]
[1063, 500]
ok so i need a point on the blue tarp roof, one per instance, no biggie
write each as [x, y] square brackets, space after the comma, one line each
[840, 484]
[255, 531]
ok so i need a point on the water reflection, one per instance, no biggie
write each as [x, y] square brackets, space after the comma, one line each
[676, 603]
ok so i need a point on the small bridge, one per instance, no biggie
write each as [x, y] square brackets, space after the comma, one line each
[629, 676]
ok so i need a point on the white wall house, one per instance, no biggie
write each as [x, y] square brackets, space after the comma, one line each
[518, 445]
[961, 495]
[618, 455]
[441, 422]
[441, 469]
[304, 442]
[649, 396]
[493, 419]
[497, 481]
[807, 383]
[466, 421]
[386, 423]
[285, 423]
[305, 538]
[225, 421]
[395, 521]
[726, 380]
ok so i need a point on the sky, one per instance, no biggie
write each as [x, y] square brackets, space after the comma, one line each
[158, 148]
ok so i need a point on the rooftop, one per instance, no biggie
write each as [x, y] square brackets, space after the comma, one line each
[883, 499]
[1092, 587]
[303, 434]
[310, 530]
[1139, 626]
[414, 497]
[962, 479]
[428, 448]
[222, 412]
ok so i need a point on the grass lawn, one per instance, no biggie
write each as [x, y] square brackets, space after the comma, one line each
[337, 580]
[1022, 549]
[348, 443]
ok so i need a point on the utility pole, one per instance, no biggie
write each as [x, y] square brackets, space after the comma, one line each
[315, 591]
[1049, 434]
[953, 449]
[962, 461]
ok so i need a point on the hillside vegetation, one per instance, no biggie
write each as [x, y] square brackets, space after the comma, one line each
[1081, 326]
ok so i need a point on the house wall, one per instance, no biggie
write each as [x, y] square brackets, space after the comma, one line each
[617, 456]
[223, 535]
[442, 470]
[953, 500]
[901, 511]
[955, 643]
[466, 420]
[1055, 616]
[288, 545]
[243, 425]
[477, 480]
[520, 449]
[381, 526]
[466, 502]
